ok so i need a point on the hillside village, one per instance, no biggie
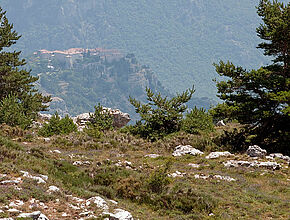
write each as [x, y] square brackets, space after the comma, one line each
[71, 55]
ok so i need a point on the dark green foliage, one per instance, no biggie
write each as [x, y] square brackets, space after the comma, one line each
[16, 84]
[154, 191]
[221, 111]
[260, 98]
[99, 122]
[58, 126]
[12, 112]
[161, 116]
[197, 120]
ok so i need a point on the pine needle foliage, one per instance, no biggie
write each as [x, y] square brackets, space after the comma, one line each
[16, 84]
[100, 121]
[160, 116]
[57, 126]
[196, 121]
[260, 98]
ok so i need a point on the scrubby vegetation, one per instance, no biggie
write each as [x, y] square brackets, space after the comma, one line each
[118, 169]
[57, 125]
[161, 116]
[99, 122]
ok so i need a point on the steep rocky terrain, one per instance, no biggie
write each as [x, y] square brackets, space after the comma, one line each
[78, 79]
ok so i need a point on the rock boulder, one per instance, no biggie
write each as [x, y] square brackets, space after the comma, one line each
[256, 151]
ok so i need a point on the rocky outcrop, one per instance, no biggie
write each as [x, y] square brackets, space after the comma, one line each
[181, 150]
[214, 155]
[280, 156]
[37, 215]
[119, 214]
[254, 164]
[256, 151]
[120, 119]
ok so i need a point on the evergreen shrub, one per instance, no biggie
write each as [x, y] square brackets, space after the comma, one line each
[58, 126]
[101, 120]
[160, 116]
[197, 120]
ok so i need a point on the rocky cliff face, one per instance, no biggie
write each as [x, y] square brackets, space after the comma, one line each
[77, 81]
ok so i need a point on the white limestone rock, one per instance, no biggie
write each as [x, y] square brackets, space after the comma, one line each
[13, 210]
[181, 150]
[56, 151]
[218, 177]
[16, 203]
[52, 189]
[220, 123]
[201, 176]
[11, 182]
[280, 156]
[256, 151]
[80, 163]
[120, 119]
[126, 164]
[45, 117]
[255, 164]
[226, 178]
[194, 165]
[46, 139]
[176, 174]
[98, 201]
[119, 214]
[85, 214]
[38, 179]
[214, 155]
[269, 165]
[42, 217]
[152, 155]
[33, 215]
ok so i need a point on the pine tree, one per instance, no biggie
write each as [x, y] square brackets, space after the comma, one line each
[14, 80]
[260, 98]
[161, 116]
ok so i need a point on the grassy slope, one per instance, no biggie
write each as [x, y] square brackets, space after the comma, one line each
[256, 193]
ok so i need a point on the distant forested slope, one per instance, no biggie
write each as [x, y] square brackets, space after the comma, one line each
[77, 82]
[178, 39]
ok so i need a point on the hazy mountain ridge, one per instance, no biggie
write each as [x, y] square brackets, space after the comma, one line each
[78, 83]
[78, 79]
[180, 40]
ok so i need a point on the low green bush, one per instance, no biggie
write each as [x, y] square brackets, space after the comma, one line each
[101, 120]
[159, 180]
[197, 120]
[57, 126]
